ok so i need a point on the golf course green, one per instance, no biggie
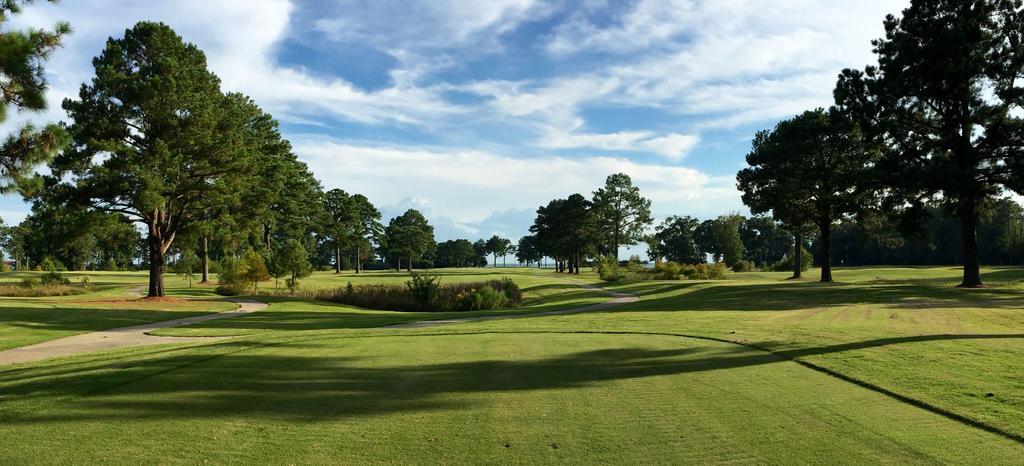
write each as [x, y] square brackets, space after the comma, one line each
[751, 369]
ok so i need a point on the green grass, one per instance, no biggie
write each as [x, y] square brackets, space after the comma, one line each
[890, 365]
[24, 321]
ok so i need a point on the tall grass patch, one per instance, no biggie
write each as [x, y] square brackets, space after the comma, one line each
[425, 293]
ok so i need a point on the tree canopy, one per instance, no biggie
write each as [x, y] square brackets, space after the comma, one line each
[941, 101]
[810, 169]
[23, 87]
[621, 213]
[155, 140]
[409, 236]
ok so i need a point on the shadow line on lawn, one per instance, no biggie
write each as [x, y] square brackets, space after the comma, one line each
[223, 381]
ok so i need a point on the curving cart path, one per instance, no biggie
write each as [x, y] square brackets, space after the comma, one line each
[123, 337]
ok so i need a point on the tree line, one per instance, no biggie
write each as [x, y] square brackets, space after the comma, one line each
[934, 128]
[931, 134]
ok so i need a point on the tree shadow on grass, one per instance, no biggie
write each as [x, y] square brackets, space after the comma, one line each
[781, 296]
[298, 378]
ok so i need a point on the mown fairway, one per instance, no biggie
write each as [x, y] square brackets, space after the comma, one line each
[888, 365]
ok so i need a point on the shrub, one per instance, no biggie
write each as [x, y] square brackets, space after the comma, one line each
[54, 278]
[52, 284]
[488, 298]
[230, 272]
[608, 269]
[48, 264]
[786, 264]
[231, 280]
[714, 271]
[111, 265]
[743, 266]
[424, 293]
[232, 289]
[424, 289]
[667, 270]
[19, 291]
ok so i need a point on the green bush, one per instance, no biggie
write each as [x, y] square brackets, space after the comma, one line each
[714, 271]
[234, 289]
[19, 291]
[52, 284]
[608, 269]
[488, 298]
[743, 266]
[786, 264]
[424, 289]
[424, 293]
[48, 264]
[667, 270]
[54, 278]
[111, 265]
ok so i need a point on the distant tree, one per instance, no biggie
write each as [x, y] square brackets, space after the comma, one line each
[567, 230]
[720, 237]
[527, 252]
[337, 225]
[764, 240]
[366, 228]
[409, 236]
[155, 140]
[811, 169]
[186, 265]
[499, 246]
[293, 259]
[621, 213]
[455, 253]
[254, 269]
[675, 240]
[944, 101]
[23, 84]
[480, 249]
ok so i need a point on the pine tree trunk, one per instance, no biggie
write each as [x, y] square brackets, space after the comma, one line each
[337, 259]
[798, 254]
[615, 245]
[358, 262]
[156, 268]
[826, 251]
[206, 260]
[969, 225]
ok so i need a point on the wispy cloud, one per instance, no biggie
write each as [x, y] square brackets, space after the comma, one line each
[494, 101]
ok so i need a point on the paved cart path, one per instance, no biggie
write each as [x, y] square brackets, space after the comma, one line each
[136, 335]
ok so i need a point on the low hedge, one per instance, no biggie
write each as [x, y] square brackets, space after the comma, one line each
[424, 293]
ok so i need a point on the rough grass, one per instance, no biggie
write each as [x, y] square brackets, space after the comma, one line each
[890, 365]
[39, 291]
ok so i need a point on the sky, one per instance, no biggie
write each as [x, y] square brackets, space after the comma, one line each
[476, 113]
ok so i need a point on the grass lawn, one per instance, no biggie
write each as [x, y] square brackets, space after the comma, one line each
[24, 321]
[891, 365]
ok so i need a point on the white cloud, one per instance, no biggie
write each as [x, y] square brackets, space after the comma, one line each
[673, 146]
[470, 185]
[718, 63]
[421, 25]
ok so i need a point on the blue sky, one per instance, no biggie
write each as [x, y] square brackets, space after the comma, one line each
[478, 112]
